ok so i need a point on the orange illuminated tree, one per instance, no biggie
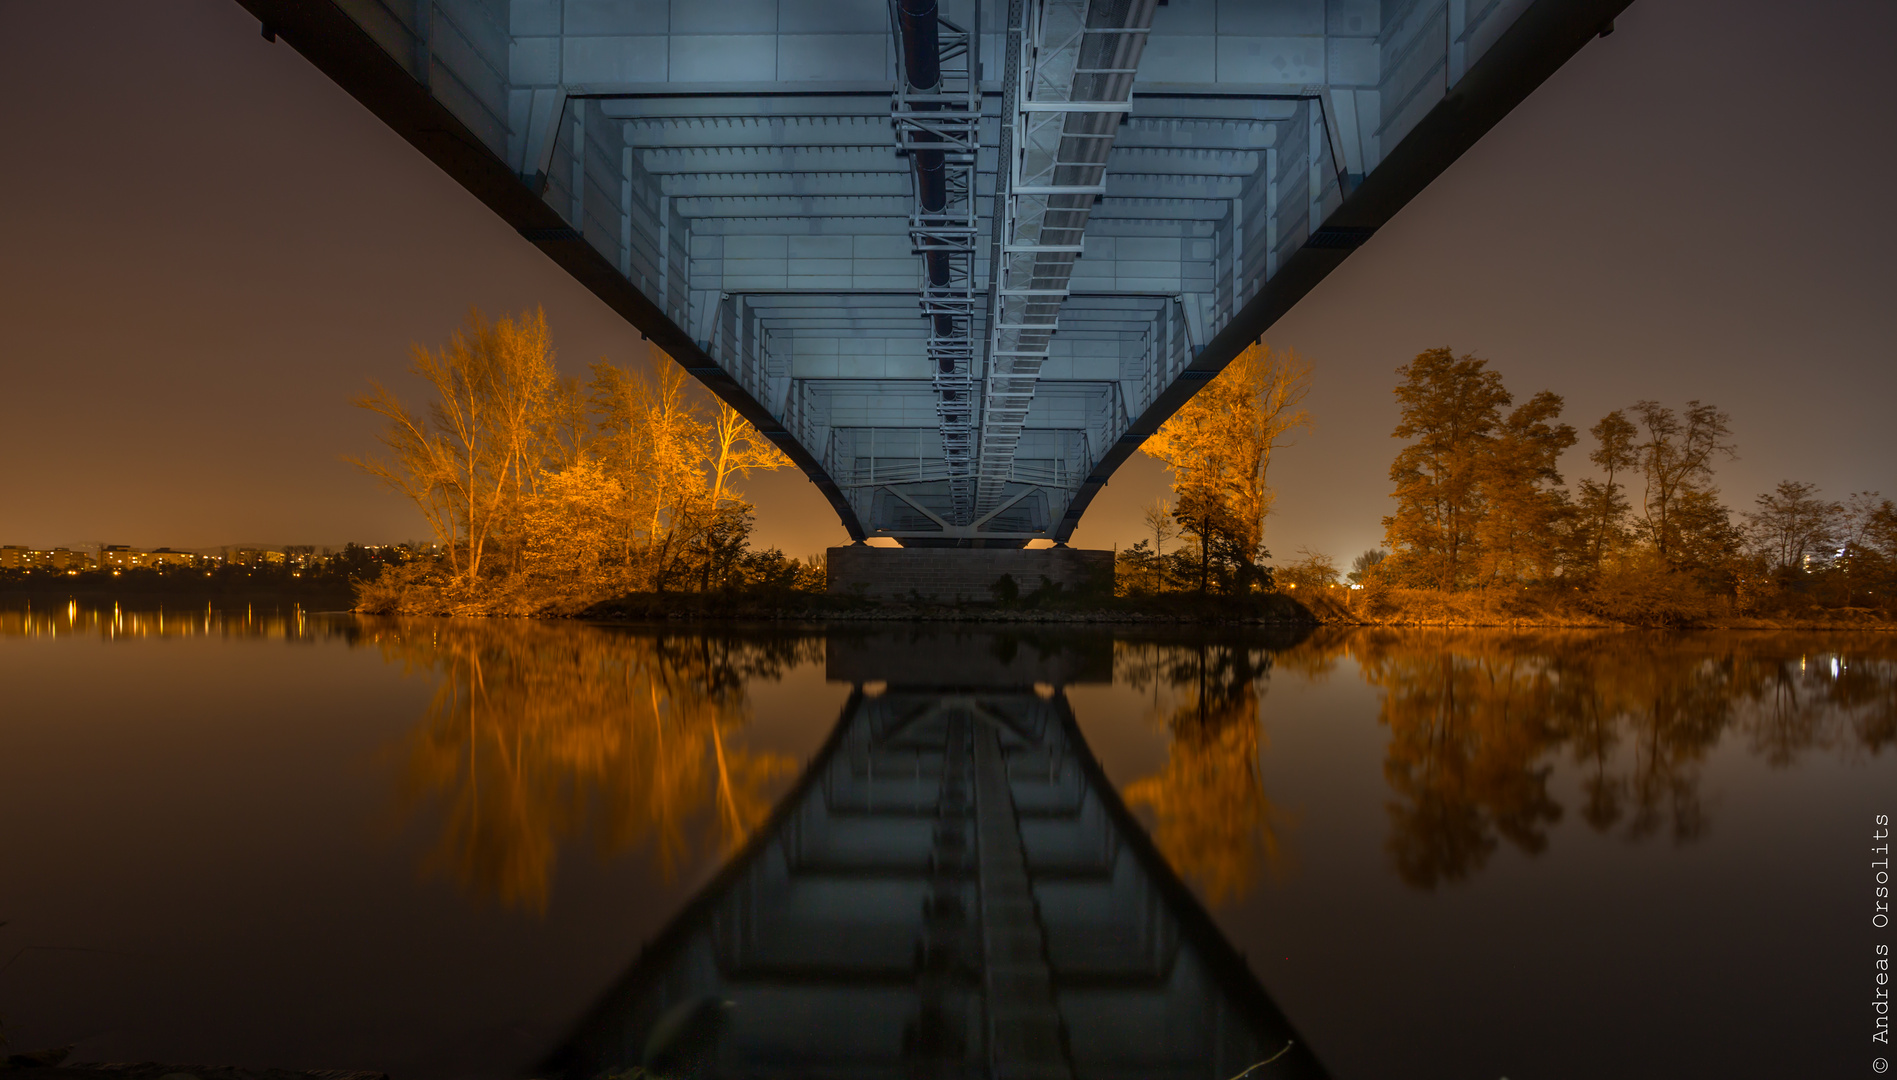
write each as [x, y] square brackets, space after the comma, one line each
[532, 482]
[1219, 446]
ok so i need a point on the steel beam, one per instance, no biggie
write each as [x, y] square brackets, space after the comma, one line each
[742, 179]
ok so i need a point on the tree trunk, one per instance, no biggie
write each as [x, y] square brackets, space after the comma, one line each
[1205, 552]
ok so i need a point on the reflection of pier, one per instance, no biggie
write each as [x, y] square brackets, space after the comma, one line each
[953, 890]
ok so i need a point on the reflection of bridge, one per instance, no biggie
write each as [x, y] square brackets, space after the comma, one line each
[954, 890]
[959, 261]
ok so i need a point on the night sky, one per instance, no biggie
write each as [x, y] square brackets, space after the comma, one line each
[208, 248]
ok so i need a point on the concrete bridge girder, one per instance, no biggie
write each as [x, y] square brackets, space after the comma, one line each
[729, 176]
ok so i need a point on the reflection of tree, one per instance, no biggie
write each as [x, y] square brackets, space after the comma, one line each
[1463, 763]
[1673, 707]
[538, 732]
[1819, 692]
[1211, 817]
[1478, 720]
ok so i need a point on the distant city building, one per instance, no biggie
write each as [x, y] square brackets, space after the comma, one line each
[253, 557]
[115, 557]
[160, 558]
[15, 557]
[298, 559]
[126, 557]
[67, 559]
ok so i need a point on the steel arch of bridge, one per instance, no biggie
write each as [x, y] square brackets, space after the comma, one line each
[958, 262]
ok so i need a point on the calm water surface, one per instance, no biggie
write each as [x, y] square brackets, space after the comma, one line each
[494, 848]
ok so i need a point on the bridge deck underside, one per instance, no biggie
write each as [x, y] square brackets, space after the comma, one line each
[728, 174]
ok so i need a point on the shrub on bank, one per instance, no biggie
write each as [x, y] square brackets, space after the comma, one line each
[1645, 592]
[1635, 596]
[1383, 604]
[534, 589]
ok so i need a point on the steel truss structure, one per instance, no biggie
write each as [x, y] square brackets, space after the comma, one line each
[1071, 68]
[937, 113]
[958, 258]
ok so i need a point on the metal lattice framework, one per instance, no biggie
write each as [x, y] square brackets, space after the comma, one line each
[1071, 84]
[938, 126]
[958, 258]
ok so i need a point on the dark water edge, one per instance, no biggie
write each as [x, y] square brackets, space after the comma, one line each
[817, 609]
[813, 611]
[781, 607]
[1334, 607]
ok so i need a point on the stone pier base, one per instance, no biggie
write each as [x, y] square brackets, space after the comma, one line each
[949, 575]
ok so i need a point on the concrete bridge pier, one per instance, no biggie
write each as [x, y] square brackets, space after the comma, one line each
[947, 575]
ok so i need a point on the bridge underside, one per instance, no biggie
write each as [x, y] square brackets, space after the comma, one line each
[958, 261]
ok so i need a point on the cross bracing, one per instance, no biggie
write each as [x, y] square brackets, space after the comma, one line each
[1005, 275]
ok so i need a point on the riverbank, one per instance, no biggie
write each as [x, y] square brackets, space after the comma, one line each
[1336, 606]
[1650, 601]
[1275, 609]
[1551, 609]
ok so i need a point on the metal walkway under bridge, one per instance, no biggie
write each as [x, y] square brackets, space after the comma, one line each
[954, 890]
[958, 258]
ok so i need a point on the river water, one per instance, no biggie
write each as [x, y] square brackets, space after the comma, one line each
[447, 848]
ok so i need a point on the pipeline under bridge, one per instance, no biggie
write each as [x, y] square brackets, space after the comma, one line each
[957, 258]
